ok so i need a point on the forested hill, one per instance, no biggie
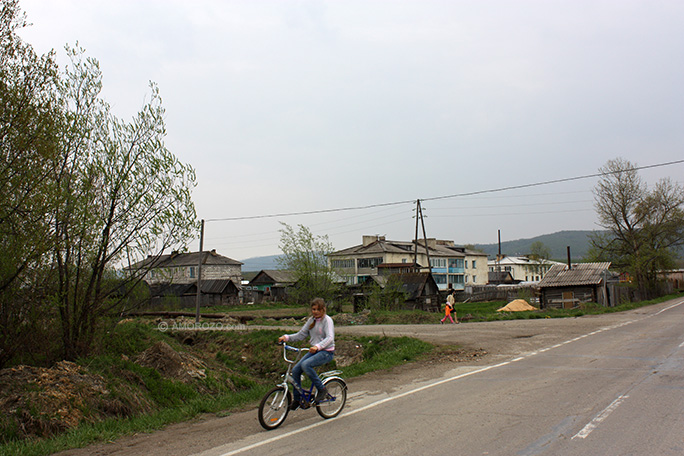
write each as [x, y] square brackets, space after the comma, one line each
[556, 242]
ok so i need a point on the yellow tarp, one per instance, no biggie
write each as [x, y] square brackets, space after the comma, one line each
[519, 305]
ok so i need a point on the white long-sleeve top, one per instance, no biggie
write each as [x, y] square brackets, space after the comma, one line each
[322, 335]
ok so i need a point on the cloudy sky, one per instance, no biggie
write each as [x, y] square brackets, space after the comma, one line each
[306, 106]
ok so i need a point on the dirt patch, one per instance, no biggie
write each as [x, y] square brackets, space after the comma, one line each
[38, 402]
[172, 364]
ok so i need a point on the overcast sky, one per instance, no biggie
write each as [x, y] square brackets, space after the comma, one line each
[299, 106]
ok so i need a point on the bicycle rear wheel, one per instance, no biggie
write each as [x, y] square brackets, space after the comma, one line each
[337, 397]
[274, 408]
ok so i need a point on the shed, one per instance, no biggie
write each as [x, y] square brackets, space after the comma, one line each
[272, 283]
[420, 289]
[566, 287]
[218, 292]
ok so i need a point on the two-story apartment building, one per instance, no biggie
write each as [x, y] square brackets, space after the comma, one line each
[522, 268]
[451, 266]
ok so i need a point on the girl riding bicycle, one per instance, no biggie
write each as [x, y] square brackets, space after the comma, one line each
[321, 332]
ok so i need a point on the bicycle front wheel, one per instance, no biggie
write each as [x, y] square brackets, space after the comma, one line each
[274, 408]
[337, 397]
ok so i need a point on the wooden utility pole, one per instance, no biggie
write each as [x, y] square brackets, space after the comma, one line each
[199, 275]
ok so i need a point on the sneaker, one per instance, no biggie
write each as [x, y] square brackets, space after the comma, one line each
[321, 395]
[294, 405]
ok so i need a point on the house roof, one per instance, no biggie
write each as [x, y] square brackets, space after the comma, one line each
[274, 276]
[580, 274]
[382, 246]
[171, 289]
[217, 286]
[520, 261]
[176, 259]
[414, 283]
[500, 277]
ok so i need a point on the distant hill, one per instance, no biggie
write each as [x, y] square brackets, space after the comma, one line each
[556, 242]
[259, 263]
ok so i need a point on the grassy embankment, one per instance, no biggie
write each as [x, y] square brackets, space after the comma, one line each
[140, 387]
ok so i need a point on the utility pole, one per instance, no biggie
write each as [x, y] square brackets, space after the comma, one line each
[199, 274]
[419, 214]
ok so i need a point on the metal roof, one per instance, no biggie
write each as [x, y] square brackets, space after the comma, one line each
[580, 274]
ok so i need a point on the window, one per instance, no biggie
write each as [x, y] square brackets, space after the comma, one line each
[440, 278]
[192, 272]
[474, 263]
[474, 278]
[466, 264]
[369, 262]
[342, 264]
[438, 262]
[455, 263]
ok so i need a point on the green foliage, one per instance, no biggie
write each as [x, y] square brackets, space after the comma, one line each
[391, 297]
[30, 121]
[82, 192]
[305, 254]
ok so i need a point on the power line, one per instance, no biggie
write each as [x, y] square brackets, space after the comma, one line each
[435, 198]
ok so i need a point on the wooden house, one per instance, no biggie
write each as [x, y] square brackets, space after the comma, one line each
[568, 286]
[271, 285]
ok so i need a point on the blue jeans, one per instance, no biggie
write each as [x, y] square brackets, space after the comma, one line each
[307, 364]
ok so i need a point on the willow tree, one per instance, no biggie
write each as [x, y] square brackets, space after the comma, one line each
[29, 127]
[642, 226]
[305, 255]
[121, 194]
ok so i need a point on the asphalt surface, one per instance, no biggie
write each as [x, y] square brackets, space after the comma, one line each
[611, 384]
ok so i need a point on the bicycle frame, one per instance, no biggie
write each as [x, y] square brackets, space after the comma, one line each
[276, 404]
[306, 396]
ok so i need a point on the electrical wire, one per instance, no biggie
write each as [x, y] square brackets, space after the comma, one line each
[436, 198]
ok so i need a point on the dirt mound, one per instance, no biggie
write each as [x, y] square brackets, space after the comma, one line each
[172, 364]
[518, 305]
[347, 352]
[345, 319]
[38, 401]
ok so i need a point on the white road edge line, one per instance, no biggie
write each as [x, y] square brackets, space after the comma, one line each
[586, 430]
[441, 382]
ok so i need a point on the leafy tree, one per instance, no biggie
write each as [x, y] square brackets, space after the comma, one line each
[305, 254]
[121, 193]
[29, 125]
[642, 226]
[540, 254]
[83, 191]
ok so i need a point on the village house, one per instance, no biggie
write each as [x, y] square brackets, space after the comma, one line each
[568, 286]
[522, 268]
[173, 278]
[451, 266]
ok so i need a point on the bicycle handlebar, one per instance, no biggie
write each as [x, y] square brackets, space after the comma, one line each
[287, 348]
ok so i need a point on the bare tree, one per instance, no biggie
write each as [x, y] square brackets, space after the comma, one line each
[643, 226]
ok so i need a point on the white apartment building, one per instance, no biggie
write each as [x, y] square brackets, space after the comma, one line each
[451, 266]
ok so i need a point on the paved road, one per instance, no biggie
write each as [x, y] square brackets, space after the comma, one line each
[612, 385]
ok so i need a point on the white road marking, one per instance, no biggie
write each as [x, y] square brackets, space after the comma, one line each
[586, 430]
[590, 427]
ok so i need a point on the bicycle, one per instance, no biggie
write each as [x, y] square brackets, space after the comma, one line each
[275, 405]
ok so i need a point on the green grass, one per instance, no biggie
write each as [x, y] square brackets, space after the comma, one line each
[248, 361]
[386, 352]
